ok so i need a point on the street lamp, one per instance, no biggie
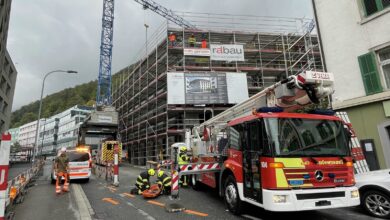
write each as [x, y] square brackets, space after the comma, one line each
[40, 106]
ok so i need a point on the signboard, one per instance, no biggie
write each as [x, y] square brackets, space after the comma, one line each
[207, 88]
[227, 52]
[104, 119]
[196, 52]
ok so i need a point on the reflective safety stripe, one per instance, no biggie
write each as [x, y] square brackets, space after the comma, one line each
[145, 180]
[139, 183]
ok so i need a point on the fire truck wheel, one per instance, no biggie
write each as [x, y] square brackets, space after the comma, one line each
[376, 203]
[231, 196]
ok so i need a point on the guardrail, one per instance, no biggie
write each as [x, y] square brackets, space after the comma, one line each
[17, 187]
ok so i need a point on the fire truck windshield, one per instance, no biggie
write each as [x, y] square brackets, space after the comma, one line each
[307, 137]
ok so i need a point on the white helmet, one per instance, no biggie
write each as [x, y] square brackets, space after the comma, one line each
[63, 149]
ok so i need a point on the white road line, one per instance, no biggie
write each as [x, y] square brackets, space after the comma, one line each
[142, 212]
[250, 217]
[84, 207]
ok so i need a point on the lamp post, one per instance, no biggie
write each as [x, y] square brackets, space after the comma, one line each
[40, 107]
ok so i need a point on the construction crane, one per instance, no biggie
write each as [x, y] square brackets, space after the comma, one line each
[103, 95]
[166, 13]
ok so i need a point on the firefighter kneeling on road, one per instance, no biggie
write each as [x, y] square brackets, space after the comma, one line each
[61, 167]
[143, 182]
[183, 159]
[164, 182]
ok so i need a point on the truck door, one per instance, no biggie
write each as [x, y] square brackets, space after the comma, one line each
[252, 150]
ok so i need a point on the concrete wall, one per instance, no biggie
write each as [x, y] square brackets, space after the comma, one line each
[365, 121]
[346, 34]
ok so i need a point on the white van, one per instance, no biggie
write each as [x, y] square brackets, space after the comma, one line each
[80, 164]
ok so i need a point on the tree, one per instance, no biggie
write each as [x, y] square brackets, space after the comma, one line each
[16, 147]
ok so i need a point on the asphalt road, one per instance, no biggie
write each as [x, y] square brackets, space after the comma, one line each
[116, 203]
[108, 202]
[41, 201]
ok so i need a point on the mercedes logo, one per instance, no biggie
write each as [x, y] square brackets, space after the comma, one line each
[319, 175]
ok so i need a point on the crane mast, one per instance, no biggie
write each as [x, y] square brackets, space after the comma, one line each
[103, 95]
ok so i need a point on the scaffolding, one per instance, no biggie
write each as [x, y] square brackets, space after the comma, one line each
[274, 48]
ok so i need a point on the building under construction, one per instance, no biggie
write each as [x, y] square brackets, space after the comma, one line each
[177, 84]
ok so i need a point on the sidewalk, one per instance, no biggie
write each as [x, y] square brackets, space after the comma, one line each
[41, 202]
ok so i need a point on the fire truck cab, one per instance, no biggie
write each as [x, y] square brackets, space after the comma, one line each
[286, 162]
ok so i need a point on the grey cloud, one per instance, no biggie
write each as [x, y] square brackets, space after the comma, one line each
[55, 34]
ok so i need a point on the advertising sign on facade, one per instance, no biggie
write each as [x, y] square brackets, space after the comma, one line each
[196, 52]
[227, 52]
[206, 88]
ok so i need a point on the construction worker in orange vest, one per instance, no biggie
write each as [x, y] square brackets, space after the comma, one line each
[61, 168]
[172, 39]
[204, 41]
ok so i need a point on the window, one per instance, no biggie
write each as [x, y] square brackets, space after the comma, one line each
[373, 6]
[235, 136]
[368, 69]
[384, 61]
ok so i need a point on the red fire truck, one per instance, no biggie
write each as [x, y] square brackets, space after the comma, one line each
[260, 152]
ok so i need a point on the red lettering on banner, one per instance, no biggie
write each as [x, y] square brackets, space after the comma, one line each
[3, 177]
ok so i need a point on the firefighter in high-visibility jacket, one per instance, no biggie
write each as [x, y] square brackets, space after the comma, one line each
[164, 182]
[183, 159]
[143, 182]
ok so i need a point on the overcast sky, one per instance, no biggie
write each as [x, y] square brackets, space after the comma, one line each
[46, 35]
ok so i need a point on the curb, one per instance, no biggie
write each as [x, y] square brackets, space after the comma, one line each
[84, 207]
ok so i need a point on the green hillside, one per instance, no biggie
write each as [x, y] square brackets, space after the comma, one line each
[84, 94]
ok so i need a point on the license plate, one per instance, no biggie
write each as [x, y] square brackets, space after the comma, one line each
[323, 203]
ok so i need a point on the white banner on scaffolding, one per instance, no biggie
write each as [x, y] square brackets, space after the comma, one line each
[206, 88]
[227, 52]
[196, 52]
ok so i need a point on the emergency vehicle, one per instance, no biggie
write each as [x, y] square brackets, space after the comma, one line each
[80, 164]
[262, 152]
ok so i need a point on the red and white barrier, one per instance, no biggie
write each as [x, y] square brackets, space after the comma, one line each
[175, 184]
[200, 167]
[116, 165]
[4, 166]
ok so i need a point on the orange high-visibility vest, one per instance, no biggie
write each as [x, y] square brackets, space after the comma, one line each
[172, 37]
[204, 44]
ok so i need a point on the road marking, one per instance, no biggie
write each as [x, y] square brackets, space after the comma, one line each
[156, 203]
[84, 207]
[250, 217]
[142, 212]
[196, 213]
[128, 195]
[111, 188]
[110, 200]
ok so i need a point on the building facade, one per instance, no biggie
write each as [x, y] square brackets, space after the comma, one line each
[68, 125]
[7, 69]
[27, 134]
[14, 135]
[48, 134]
[355, 37]
[179, 85]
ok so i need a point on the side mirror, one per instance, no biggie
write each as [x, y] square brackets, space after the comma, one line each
[348, 136]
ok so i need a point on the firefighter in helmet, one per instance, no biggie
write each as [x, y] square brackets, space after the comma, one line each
[183, 159]
[61, 167]
[143, 182]
[164, 182]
